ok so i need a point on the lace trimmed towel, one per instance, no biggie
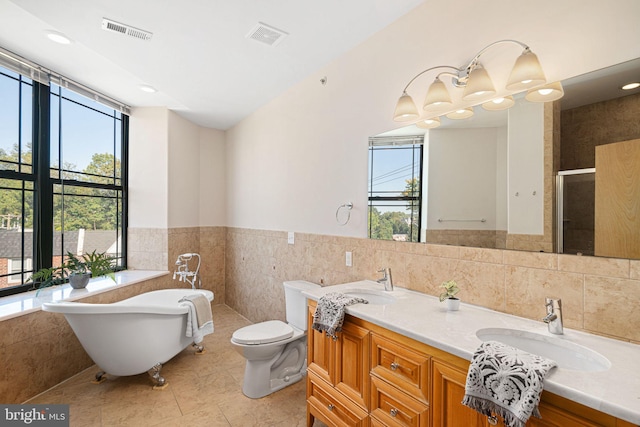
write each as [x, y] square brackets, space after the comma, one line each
[199, 317]
[329, 314]
[506, 381]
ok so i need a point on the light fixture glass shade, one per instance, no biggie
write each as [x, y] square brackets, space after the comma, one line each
[526, 72]
[437, 96]
[498, 104]
[405, 109]
[479, 85]
[431, 123]
[545, 93]
[461, 113]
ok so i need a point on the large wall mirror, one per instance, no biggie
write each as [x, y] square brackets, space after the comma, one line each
[523, 178]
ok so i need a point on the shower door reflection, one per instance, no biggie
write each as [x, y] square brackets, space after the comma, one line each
[576, 211]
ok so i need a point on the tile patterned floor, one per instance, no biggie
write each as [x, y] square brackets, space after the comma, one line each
[204, 390]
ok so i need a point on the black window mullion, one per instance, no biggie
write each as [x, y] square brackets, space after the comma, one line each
[124, 182]
[43, 204]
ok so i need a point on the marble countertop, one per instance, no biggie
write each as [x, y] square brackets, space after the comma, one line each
[422, 317]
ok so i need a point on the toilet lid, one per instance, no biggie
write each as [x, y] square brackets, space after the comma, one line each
[263, 333]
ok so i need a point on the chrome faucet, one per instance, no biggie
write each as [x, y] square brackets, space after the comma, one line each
[386, 279]
[553, 319]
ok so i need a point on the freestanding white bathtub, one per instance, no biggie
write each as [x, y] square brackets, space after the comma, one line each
[132, 336]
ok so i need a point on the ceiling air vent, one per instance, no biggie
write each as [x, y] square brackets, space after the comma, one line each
[266, 34]
[109, 25]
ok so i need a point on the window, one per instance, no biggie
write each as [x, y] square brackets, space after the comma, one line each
[62, 176]
[16, 268]
[395, 196]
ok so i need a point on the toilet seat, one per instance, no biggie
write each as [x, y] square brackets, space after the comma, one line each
[263, 333]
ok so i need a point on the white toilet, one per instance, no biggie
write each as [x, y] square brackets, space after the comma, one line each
[276, 352]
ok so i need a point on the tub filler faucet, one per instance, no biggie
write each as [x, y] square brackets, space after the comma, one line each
[386, 279]
[553, 319]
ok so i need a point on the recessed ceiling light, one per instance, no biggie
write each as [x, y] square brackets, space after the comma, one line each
[630, 86]
[57, 37]
[147, 88]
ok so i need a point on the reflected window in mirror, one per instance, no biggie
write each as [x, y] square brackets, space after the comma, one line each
[395, 188]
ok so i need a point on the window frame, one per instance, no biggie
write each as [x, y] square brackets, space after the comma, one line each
[415, 143]
[43, 185]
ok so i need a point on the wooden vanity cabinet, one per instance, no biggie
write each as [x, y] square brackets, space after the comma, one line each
[449, 379]
[338, 382]
[399, 383]
[370, 376]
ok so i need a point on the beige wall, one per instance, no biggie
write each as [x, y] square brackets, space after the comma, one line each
[599, 295]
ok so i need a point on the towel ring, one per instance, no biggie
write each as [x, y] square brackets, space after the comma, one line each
[348, 207]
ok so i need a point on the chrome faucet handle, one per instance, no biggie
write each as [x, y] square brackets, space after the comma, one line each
[387, 280]
[553, 319]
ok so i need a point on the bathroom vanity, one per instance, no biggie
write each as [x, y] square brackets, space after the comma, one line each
[382, 370]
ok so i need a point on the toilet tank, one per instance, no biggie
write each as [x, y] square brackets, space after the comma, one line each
[296, 303]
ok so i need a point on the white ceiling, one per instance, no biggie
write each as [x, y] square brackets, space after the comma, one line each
[198, 58]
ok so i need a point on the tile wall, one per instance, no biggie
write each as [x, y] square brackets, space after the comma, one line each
[599, 295]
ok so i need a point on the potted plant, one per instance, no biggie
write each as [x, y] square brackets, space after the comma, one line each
[450, 290]
[78, 269]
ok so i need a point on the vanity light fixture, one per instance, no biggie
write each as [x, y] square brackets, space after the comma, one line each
[428, 123]
[498, 104]
[545, 93]
[476, 84]
[460, 113]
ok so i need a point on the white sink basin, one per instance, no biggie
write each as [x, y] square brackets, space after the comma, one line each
[567, 354]
[371, 295]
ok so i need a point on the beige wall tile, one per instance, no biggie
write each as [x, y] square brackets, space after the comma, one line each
[611, 267]
[635, 269]
[493, 256]
[611, 307]
[531, 259]
[527, 289]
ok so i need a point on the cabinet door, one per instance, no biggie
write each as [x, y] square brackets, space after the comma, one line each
[352, 363]
[556, 417]
[392, 407]
[401, 366]
[448, 392]
[332, 408]
[320, 350]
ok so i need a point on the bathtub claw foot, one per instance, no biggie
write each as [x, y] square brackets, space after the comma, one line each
[154, 373]
[99, 378]
[199, 348]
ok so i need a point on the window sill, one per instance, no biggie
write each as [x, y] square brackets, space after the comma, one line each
[27, 302]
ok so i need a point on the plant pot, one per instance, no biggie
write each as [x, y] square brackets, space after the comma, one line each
[453, 304]
[79, 281]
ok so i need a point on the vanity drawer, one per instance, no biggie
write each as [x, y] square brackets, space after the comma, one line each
[401, 366]
[391, 407]
[331, 407]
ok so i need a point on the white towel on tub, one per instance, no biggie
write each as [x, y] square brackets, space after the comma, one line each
[199, 317]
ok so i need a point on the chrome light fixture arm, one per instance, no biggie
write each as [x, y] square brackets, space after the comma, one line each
[526, 74]
[404, 91]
